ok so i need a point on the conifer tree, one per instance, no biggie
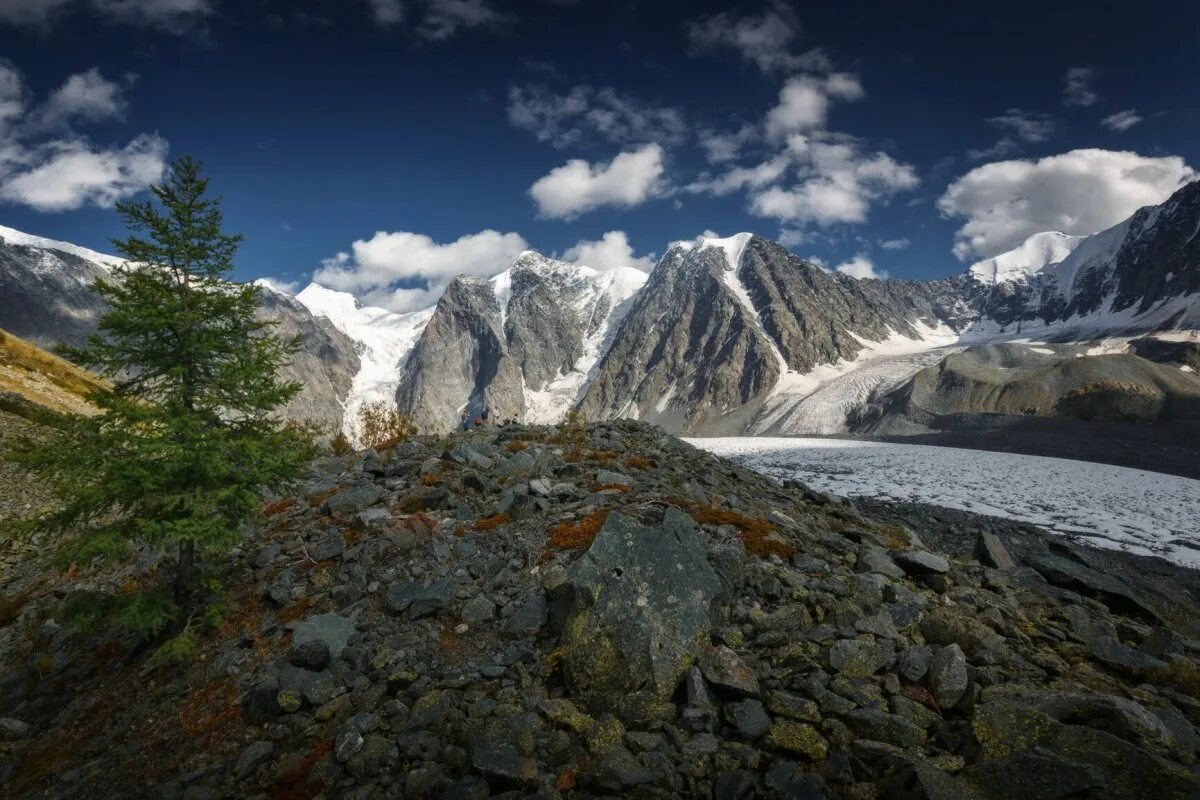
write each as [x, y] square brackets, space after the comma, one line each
[188, 437]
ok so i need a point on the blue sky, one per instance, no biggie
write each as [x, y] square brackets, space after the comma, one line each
[880, 137]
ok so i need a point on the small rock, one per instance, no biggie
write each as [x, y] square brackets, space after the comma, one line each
[346, 744]
[312, 654]
[796, 737]
[857, 657]
[331, 545]
[749, 717]
[478, 609]
[12, 729]
[920, 562]
[254, 754]
[948, 677]
[1113, 653]
[530, 618]
[991, 552]
[724, 668]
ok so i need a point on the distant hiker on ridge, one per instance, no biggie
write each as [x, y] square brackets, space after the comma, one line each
[466, 420]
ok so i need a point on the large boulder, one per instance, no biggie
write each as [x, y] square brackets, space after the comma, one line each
[641, 617]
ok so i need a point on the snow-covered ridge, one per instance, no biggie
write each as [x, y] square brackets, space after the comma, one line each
[1031, 256]
[14, 236]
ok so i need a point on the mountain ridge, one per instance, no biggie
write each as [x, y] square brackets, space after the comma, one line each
[724, 335]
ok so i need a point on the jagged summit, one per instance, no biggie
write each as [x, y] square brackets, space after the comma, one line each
[1033, 255]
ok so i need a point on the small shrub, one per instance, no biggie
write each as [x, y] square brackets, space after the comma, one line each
[293, 781]
[579, 535]
[489, 523]
[296, 610]
[429, 479]
[758, 536]
[340, 444]
[277, 507]
[516, 446]
[604, 487]
[381, 427]
[639, 462]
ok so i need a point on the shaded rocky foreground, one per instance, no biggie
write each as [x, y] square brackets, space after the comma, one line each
[533, 612]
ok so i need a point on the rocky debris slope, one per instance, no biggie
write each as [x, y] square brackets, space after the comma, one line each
[608, 612]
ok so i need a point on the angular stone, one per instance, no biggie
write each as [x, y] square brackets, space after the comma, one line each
[642, 598]
[1070, 574]
[618, 771]
[565, 714]
[251, 757]
[1114, 654]
[478, 609]
[350, 501]
[331, 630]
[419, 599]
[749, 717]
[502, 762]
[793, 707]
[346, 744]
[948, 677]
[991, 552]
[920, 562]
[529, 618]
[724, 668]
[13, 729]
[858, 657]
[331, 544]
[914, 663]
[877, 561]
[883, 727]
[796, 737]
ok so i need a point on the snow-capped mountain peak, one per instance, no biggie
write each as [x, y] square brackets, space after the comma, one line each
[14, 236]
[1034, 255]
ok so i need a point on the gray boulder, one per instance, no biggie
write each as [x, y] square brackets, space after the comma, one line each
[642, 598]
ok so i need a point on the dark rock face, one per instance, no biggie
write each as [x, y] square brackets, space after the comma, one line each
[499, 343]
[686, 315]
[461, 356]
[642, 615]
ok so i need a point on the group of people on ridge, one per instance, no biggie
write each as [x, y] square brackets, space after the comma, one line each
[479, 421]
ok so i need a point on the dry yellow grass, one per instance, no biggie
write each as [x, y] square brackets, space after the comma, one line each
[45, 379]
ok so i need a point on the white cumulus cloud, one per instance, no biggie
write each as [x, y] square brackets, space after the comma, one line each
[1079, 192]
[1121, 121]
[804, 103]
[588, 113]
[406, 271]
[895, 244]
[46, 164]
[764, 40]
[611, 251]
[838, 183]
[628, 180]
[861, 267]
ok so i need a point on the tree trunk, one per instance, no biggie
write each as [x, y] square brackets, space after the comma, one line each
[185, 574]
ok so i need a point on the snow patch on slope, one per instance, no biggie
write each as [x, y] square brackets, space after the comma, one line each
[1098, 504]
[385, 339]
[14, 236]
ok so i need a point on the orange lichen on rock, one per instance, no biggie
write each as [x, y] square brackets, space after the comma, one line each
[568, 535]
[494, 521]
